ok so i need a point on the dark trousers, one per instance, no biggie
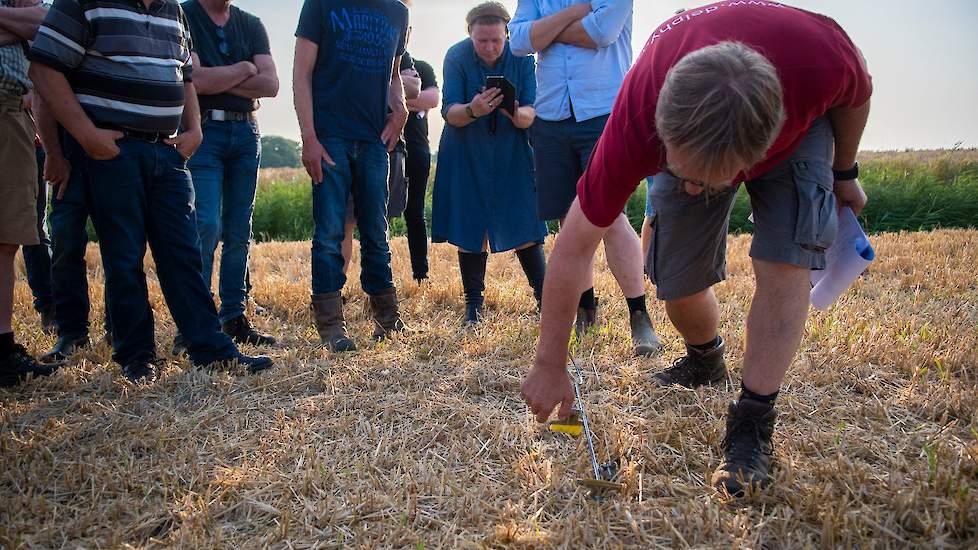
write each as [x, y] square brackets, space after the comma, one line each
[146, 195]
[37, 258]
[418, 168]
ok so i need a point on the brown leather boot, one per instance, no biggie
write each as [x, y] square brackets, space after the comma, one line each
[747, 448]
[327, 310]
[387, 319]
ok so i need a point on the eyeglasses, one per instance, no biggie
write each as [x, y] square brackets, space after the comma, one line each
[682, 180]
[223, 45]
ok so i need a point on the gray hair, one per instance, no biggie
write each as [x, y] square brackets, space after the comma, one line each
[722, 104]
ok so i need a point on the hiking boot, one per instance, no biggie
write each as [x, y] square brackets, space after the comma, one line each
[587, 317]
[697, 368]
[179, 346]
[473, 315]
[241, 331]
[254, 364]
[387, 318]
[64, 348]
[48, 324]
[327, 312]
[18, 366]
[747, 447]
[644, 338]
[139, 372]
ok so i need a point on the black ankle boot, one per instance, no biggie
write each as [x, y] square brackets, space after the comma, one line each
[534, 265]
[473, 270]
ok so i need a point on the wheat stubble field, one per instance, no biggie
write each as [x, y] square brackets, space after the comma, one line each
[423, 441]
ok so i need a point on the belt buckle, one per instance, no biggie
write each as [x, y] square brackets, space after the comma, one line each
[218, 115]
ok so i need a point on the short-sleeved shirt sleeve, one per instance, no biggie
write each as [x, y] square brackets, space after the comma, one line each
[63, 37]
[453, 89]
[188, 62]
[310, 21]
[427, 74]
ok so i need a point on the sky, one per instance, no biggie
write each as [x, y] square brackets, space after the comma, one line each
[923, 55]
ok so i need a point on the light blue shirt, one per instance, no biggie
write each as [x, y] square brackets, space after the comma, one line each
[570, 75]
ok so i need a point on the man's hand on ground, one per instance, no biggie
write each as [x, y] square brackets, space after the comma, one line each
[544, 389]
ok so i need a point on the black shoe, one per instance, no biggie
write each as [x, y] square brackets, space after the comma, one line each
[64, 348]
[179, 346]
[587, 317]
[18, 366]
[697, 368]
[139, 372]
[48, 324]
[473, 315]
[240, 330]
[254, 364]
[747, 447]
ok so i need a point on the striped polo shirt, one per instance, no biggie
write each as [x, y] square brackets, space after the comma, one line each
[126, 64]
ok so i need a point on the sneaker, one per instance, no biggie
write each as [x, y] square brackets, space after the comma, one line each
[697, 368]
[747, 447]
[139, 372]
[240, 330]
[644, 338]
[18, 366]
[64, 348]
[587, 317]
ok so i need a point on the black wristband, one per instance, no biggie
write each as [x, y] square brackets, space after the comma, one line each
[846, 175]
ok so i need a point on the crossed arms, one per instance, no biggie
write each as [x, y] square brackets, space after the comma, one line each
[20, 22]
[593, 25]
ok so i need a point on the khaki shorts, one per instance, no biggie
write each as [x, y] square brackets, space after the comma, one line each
[795, 220]
[18, 179]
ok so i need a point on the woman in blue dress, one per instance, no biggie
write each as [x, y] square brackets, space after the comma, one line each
[484, 194]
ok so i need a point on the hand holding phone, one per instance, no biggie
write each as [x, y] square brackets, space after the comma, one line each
[507, 97]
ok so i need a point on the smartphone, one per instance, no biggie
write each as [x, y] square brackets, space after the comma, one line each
[508, 92]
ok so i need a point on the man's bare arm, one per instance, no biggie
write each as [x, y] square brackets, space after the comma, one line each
[399, 111]
[545, 31]
[47, 127]
[263, 84]
[575, 35]
[53, 89]
[848, 125]
[22, 22]
[7, 38]
[412, 84]
[218, 80]
[427, 100]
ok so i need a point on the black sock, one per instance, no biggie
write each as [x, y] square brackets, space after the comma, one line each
[707, 346]
[534, 265]
[587, 299]
[747, 394]
[636, 304]
[6, 344]
[473, 270]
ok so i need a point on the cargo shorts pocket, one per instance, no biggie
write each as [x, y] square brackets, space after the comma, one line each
[650, 255]
[818, 220]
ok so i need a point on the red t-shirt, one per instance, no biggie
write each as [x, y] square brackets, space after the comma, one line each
[820, 68]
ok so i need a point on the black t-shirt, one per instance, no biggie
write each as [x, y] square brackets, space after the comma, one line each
[245, 37]
[416, 130]
[358, 41]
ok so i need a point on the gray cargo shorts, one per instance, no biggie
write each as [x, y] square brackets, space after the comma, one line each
[795, 220]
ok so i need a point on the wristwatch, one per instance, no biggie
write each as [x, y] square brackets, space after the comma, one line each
[846, 175]
[468, 111]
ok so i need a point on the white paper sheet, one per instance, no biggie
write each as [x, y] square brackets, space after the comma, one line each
[847, 259]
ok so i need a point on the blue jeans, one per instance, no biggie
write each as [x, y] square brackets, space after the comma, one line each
[37, 258]
[361, 169]
[225, 176]
[145, 194]
[69, 237]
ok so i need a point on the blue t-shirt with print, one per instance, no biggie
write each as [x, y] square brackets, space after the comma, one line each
[358, 41]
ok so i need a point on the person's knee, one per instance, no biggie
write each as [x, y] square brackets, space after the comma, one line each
[778, 274]
[691, 300]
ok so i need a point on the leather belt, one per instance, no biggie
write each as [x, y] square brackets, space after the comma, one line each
[228, 116]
